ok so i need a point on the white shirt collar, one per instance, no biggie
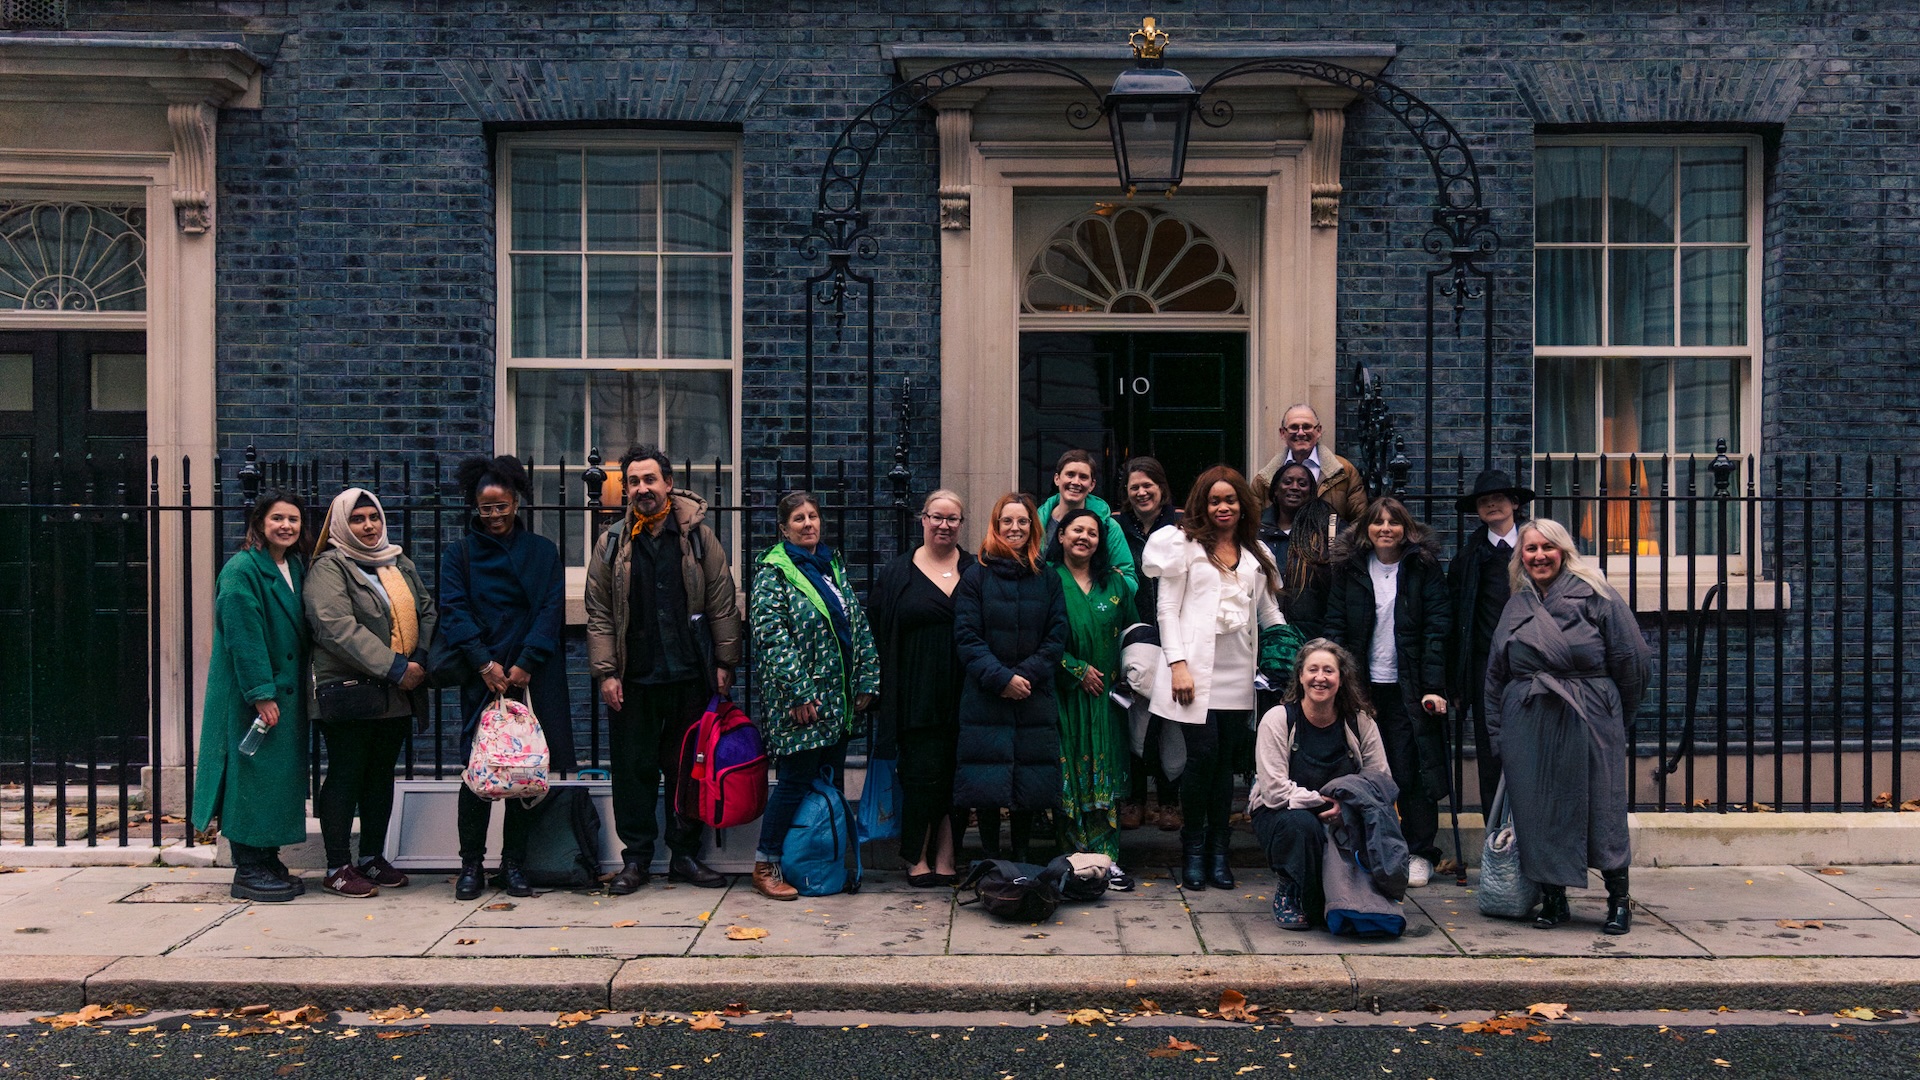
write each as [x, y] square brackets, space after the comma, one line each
[1312, 460]
[1512, 537]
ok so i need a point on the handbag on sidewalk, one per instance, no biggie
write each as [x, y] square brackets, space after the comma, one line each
[509, 757]
[1504, 892]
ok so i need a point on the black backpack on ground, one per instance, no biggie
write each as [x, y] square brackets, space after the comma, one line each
[1016, 892]
[563, 841]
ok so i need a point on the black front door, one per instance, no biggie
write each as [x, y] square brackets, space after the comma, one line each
[73, 582]
[1178, 397]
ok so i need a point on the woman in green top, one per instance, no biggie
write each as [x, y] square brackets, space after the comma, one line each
[258, 674]
[816, 667]
[1093, 746]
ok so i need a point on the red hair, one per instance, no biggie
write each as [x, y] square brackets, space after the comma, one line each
[995, 547]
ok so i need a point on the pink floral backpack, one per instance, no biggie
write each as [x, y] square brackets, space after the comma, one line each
[509, 757]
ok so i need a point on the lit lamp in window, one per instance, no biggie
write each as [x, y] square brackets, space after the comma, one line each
[1149, 111]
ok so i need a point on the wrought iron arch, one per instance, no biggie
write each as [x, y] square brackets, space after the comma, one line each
[840, 233]
[1462, 231]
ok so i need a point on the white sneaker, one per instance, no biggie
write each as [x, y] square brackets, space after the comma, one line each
[1419, 872]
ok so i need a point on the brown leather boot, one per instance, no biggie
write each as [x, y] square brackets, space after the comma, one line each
[768, 882]
[1132, 814]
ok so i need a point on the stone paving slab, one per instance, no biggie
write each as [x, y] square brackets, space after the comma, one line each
[1906, 909]
[1478, 935]
[651, 906]
[183, 892]
[1253, 892]
[88, 922]
[623, 942]
[1872, 882]
[895, 922]
[1154, 927]
[1233, 932]
[1836, 937]
[1687, 893]
[31, 879]
[399, 922]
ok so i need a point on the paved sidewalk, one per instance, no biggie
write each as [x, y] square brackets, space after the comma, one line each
[1760, 936]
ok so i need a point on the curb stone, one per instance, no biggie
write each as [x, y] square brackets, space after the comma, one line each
[538, 983]
[967, 983]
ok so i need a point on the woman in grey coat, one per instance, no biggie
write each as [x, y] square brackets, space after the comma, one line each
[373, 621]
[1566, 672]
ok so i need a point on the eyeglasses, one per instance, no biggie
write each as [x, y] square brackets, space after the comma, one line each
[493, 510]
[945, 520]
[1301, 429]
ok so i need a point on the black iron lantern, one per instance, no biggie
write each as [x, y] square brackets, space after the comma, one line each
[1150, 110]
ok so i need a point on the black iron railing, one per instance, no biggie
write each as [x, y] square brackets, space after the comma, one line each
[1775, 593]
[98, 598]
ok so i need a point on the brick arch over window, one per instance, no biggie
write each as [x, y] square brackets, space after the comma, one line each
[1670, 91]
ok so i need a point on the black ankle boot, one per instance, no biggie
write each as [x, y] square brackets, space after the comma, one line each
[1553, 907]
[260, 883]
[1219, 874]
[1193, 864]
[472, 880]
[1619, 904]
[510, 878]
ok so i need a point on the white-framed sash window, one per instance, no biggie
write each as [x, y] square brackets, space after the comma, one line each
[1647, 331]
[620, 321]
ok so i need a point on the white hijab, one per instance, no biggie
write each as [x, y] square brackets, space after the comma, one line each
[336, 532]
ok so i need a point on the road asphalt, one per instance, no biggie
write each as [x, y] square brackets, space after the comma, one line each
[997, 1045]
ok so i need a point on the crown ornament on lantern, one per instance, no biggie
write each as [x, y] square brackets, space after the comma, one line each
[1149, 42]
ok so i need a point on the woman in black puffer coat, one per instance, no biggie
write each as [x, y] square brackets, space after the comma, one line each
[1386, 561]
[1010, 627]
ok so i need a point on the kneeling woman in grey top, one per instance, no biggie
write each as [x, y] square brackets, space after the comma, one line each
[1324, 730]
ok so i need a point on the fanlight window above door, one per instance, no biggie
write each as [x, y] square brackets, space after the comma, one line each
[69, 257]
[1131, 260]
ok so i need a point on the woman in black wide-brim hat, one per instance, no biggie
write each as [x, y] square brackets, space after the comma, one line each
[1477, 580]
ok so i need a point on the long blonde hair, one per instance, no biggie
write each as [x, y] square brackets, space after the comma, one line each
[1571, 561]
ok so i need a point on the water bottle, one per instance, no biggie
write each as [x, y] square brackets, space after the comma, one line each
[254, 737]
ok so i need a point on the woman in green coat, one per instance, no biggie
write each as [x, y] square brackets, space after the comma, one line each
[257, 675]
[1094, 750]
[816, 667]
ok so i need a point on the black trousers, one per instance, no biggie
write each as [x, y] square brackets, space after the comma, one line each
[361, 755]
[245, 855]
[1401, 732]
[1206, 788]
[476, 814]
[643, 739]
[1019, 825]
[1148, 764]
[1295, 843]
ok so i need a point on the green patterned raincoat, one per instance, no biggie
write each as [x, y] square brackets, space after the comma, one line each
[797, 657]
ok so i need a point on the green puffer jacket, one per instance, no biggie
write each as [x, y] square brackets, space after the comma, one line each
[797, 657]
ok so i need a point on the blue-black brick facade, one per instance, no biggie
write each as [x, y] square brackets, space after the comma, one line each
[356, 260]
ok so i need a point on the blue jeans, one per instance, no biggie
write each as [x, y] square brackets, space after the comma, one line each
[794, 775]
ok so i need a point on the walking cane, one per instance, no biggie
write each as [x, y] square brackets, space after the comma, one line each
[1458, 715]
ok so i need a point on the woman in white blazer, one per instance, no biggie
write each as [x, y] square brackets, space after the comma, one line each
[1218, 589]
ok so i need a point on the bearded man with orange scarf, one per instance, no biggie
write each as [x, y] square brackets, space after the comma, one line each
[663, 637]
